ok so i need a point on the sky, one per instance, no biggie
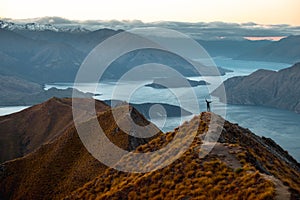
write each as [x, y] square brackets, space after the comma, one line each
[238, 11]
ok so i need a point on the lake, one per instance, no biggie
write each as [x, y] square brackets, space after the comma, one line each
[11, 109]
[280, 125]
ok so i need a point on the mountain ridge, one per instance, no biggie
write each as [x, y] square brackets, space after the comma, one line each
[240, 164]
[60, 164]
[203, 178]
[285, 50]
[265, 87]
[20, 137]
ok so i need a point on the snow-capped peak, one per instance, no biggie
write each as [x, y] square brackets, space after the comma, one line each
[40, 27]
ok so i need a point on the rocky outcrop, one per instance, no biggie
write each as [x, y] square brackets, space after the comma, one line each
[267, 88]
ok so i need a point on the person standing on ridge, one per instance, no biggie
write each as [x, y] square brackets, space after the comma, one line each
[208, 105]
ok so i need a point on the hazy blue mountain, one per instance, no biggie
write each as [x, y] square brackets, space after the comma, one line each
[231, 48]
[7, 62]
[15, 91]
[45, 53]
[14, 88]
[82, 40]
[285, 50]
[267, 88]
[40, 56]
[17, 45]
[46, 56]
[144, 108]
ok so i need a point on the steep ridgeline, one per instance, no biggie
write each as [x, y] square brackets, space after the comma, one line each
[59, 163]
[240, 166]
[267, 88]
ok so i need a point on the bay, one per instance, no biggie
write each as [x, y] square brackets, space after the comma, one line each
[280, 125]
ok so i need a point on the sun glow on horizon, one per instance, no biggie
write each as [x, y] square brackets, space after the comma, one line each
[263, 12]
[272, 38]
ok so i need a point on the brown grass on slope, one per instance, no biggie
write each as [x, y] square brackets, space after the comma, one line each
[192, 177]
[25, 131]
[59, 167]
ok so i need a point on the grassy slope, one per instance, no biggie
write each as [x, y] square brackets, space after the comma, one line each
[192, 177]
[63, 164]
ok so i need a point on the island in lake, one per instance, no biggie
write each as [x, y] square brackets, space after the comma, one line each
[172, 82]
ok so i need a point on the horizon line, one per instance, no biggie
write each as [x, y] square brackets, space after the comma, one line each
[135, 20]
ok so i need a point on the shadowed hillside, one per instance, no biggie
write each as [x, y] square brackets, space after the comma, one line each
[25, 131]
[61, 163]
[13, 89]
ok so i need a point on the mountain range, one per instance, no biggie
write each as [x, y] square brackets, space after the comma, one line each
[47, 55]
[44, 53]
[45, 159]
[266, 88]
[285, 50]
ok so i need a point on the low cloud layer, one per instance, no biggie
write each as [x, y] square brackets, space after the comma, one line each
[200, 30]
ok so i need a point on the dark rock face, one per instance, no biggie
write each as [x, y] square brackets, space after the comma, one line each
[267, 88]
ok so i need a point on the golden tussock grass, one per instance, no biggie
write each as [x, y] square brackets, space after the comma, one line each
[188, 177]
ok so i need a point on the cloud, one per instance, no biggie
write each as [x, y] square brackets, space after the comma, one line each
[200, 30]
[54, 20]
